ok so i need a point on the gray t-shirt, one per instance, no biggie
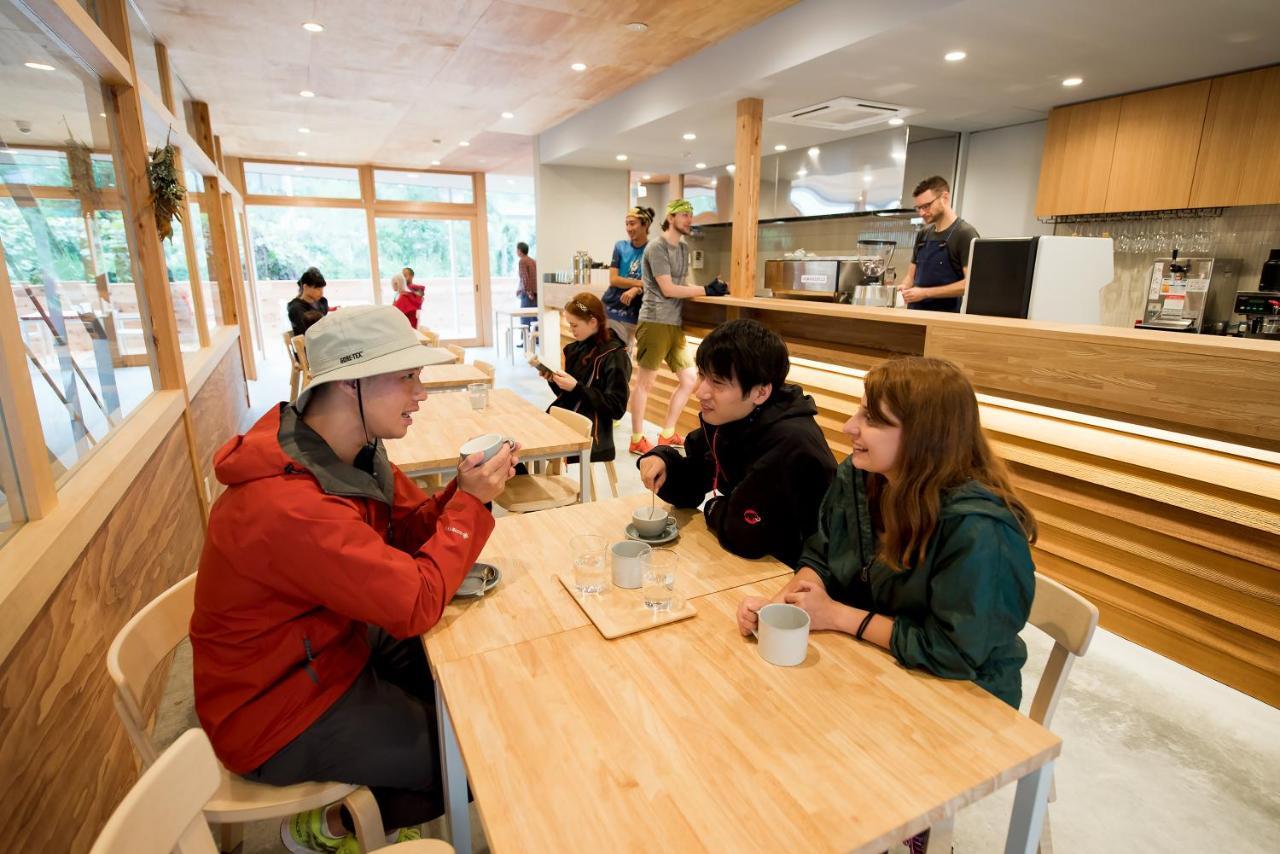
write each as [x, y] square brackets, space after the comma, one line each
[663, 259]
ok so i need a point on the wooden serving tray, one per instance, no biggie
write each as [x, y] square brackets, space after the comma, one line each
[618, 611]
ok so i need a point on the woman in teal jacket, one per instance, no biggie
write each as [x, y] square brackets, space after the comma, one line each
[922, 547]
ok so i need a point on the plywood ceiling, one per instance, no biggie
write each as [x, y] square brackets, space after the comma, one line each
[403, 82]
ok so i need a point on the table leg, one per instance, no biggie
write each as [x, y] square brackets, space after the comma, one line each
[584, 474]
[1030, 803]
[455, 780]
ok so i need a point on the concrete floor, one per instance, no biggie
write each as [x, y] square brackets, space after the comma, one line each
[1156, 757]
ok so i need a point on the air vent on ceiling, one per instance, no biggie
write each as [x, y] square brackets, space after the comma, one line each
[842, 113]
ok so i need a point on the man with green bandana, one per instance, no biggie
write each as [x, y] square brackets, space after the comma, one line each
[659, 335]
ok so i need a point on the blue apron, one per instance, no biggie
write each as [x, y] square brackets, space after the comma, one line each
[933, 267]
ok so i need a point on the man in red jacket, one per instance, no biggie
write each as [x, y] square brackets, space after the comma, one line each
[322, 565]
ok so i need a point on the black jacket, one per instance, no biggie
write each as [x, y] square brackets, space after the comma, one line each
[771, 470]
[298, 307]
[603, 372]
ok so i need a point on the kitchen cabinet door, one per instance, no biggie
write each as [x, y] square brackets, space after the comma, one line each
[1239, 160]
[1076, 165]
[1157, 141]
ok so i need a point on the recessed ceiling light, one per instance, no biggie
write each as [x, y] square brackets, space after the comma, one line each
[955, 56]
[645, 177]
[304, 130]
[104, 115]
[508, 115]
[579, 66]
[690, 136]
[39, 66]
[464, 143]
[866, 179]
[699, 166]
[814, 152]
[302, 154]
[1073, 81]
[297, 169]
[620, 157]
[779, 147]
[637, 26]
[731, 168]
[435, 162]
[801, 173]
[313, 27]
[896, 122]
[511, 181]
[713, 182]
[307, 93]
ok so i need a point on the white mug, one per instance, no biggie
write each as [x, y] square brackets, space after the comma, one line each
[783, 633]
[489, 443]
[629, 559]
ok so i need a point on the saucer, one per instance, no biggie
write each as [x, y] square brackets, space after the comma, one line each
[471, 585]
[672, 531]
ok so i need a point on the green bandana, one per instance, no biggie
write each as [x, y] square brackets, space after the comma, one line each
[676, 206]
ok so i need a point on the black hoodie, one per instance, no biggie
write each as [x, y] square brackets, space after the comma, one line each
[603, 372]
[769, 471]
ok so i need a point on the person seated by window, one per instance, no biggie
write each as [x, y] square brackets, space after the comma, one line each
[923, 546]
[322, 566]
[758, 450]
[596, 379]
[310, 298]
[411, 296]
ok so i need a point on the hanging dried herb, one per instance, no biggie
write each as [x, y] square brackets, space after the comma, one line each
[166, 189]
[80, 170]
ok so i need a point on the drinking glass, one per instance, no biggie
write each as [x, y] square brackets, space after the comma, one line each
[590, 562]
[479, 395]
[659, 580]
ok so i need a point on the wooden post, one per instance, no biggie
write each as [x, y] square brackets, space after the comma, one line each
[746, 199]
[236, 281]
[193, 261]
[202, 129]
[480, 263]
[367, 196]
[676, 191]
[166, 77]
[217, 155]
[219, 250]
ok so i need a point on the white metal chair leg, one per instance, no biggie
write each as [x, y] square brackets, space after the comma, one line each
[456, 808]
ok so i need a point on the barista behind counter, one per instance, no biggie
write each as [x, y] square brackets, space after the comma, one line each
[939, 269]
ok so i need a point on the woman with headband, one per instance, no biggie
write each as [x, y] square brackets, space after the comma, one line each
[622, 300]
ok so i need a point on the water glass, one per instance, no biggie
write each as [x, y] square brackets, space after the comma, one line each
[479, 395]
[590, 562]
[659, 580]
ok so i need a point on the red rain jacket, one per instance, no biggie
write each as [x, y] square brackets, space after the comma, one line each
[303, 553]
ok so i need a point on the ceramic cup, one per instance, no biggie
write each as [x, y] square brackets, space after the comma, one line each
[783, 633]
[650, 526]
[489, 444]
[628, 559]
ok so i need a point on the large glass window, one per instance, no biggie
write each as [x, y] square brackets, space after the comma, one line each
[511, 214]
[422, 187]
[439, 252]
[198, 222]
[288, 240]
[11, 507]
[66, 248]
[287, 179]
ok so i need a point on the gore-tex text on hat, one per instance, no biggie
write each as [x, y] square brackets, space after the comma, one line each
[351, 357]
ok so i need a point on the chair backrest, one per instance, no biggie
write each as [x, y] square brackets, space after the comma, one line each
[576, 420]
[288, 345]
[1070, 619]
[163, 811]
[458, 353]
[300, 348]
[137, 651]
[485, 368]
[432, 338]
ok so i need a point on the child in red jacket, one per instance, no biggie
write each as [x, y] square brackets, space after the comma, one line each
[410, 296]
[322, 565]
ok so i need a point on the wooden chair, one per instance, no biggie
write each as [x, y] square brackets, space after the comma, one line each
[486, 369]
[1070, 619]
[431, 339]
[164, 811]
[613, 478]
[529, 492]
[459, 355]
[300, 350]
[295, 366]
[137, 652]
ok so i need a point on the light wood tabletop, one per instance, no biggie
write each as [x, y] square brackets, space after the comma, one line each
[684, 739]
[446, 421]
[440, 377]
[532, 549]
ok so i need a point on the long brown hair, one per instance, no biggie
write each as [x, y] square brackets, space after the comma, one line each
[942, 447]
[587, 305]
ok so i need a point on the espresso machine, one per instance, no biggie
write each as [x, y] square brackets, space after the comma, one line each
[1188, 294]
[1258, 312]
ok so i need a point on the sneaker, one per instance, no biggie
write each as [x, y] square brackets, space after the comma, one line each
[404, 834]
[304, 833]
[641, 447]
[675, 440]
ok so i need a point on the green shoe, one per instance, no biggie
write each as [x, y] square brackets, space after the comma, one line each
[405, 834]
[305, 833]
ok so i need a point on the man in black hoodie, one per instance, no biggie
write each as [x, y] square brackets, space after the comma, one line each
[759, 450]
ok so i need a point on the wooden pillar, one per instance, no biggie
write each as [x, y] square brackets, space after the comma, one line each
[367, 197]
[676, 191]
[217, 155]
[746, 199]
[166, 77]
[202, 129]
[480, 263]
[235, 286]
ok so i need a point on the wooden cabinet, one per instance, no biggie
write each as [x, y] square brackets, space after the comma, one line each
[1157, 141]
[1078, 149]
[1239, 160]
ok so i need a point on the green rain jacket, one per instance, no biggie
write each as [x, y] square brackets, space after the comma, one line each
[957, 614]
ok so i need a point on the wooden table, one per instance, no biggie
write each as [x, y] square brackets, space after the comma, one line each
[532, 549]
[684, 739]
[511, 315]
[446, 421]
[455, 376]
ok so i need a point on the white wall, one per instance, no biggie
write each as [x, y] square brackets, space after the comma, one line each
[1000, 180]
[578, 208]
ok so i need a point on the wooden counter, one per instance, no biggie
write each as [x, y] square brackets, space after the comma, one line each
[1150, 459]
